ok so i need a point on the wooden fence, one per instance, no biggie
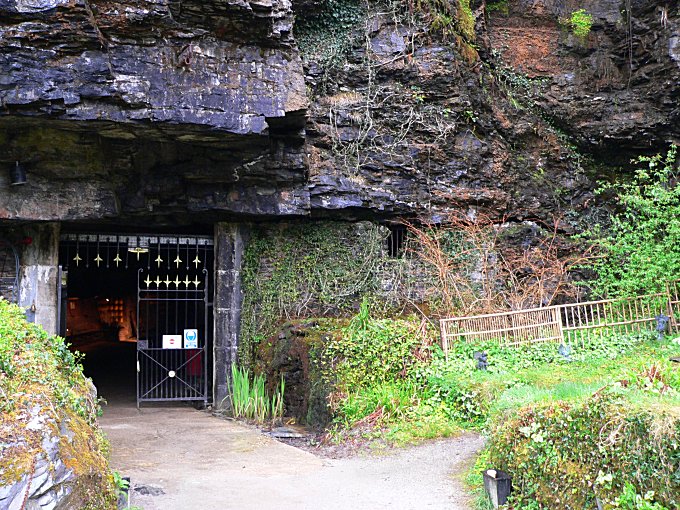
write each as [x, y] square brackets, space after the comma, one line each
[569, 323]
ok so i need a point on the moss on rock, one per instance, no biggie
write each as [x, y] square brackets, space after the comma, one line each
[52, 448]
[295, 353]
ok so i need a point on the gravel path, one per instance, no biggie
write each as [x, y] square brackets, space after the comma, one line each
[179, 458]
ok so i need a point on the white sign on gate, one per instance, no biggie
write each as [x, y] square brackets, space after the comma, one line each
[172, 341]
[191, 339]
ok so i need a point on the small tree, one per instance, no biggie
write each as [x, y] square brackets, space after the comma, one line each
[641, 249]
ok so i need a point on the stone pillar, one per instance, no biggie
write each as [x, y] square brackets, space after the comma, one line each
[230, 241]
[38, 285]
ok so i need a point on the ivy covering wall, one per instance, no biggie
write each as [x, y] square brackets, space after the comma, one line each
[320, 269]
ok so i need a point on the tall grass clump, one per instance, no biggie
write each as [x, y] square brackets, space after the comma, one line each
[249, 397]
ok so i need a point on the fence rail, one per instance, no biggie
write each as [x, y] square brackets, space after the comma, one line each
[568, 323]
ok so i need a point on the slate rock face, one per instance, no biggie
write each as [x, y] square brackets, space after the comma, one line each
[137, 61]
[152, 108]
[521, 128]
[61, 472]
[169, 112]
[617, 90]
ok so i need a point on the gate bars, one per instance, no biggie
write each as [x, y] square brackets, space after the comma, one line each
[168, 372]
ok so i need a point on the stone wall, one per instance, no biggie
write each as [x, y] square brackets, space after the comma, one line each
[323, 269]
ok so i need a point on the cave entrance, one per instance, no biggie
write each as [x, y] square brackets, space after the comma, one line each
[139, 306]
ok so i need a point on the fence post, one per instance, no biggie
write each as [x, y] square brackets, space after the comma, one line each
[557, 315]
[669, 307]
[445, 342]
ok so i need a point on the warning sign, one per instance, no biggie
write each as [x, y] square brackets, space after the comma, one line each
[191, 339]
[172, 341]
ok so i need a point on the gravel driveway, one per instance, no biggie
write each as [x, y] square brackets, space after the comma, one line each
[182, 459]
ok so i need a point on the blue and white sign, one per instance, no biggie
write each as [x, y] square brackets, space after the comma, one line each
[191, 339]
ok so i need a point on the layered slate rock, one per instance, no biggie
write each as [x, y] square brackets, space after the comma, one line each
[51, 482]
[131, 61]
[191, 112]
[616, 91]
[520, 126]
[208, 94]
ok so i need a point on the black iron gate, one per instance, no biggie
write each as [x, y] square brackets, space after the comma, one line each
[153, 289]
[172, 337]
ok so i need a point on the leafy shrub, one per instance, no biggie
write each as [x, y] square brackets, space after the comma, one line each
[580, 23]
[29, 356]
[641, 248]
[374, 351]
[567, 455]
[372, 366]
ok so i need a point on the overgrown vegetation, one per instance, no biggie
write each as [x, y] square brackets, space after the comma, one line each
[301, 271]
[326, 36]
[601, 449]
[447, 17]
[41, 379]
[640, 250]
[390, 372]
[579, 422]
[373, 366]
[580, 22]
[478, 271]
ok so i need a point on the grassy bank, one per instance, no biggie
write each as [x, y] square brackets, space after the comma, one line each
[548, 415]
[44, 396]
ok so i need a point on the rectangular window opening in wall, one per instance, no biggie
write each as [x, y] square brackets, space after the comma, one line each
[396, 241]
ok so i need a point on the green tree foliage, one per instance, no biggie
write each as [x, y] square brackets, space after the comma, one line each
[641, 250]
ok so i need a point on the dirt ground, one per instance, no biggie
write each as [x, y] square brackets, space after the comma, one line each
[180, 458]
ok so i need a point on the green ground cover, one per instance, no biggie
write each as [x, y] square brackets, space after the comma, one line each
[597, 428]
[544, 414]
